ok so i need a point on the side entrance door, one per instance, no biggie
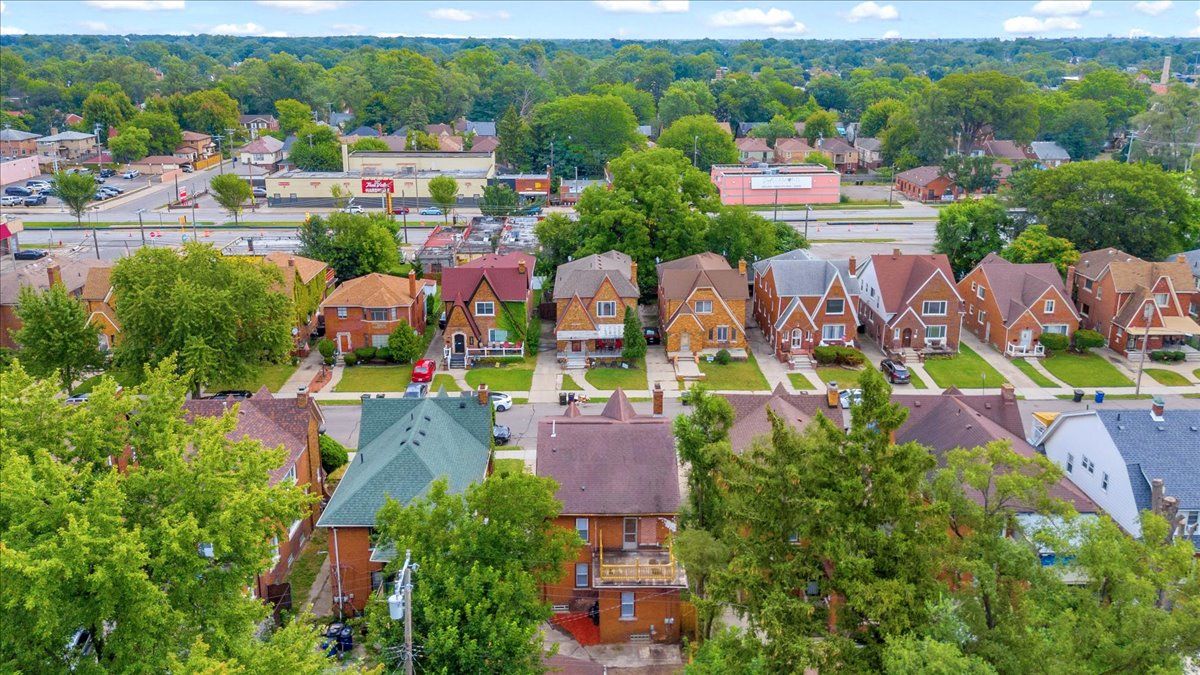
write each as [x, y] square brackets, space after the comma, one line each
[630, 540]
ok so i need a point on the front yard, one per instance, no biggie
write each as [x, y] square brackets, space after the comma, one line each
[1085, 370]
[629, 379]
[845, 377]
[514, 376]
[374, 378]
[967, 370]
[507, 465]
[734, 376]
[273, 375]
[1032, 373]
[1168, 377]
[799, 381]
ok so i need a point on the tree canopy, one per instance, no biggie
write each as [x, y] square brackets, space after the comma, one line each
[699, 137]
[352, 244]
[56, 335]
[968, 230]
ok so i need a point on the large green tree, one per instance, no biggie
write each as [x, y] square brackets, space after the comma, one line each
[223, 318]
[685, 98]
[1036, 245]
[56, 336]
[973, 101]
[738, 233]
[586, 130]
[968, 230]
[232, 192]
[1165, 133]
[875, 118]
[702, 437]
[132, 144]
[1080, 129]
[316, 149]
[210, 112]
[820, 124]
[293, 115]
[443, 190]
[352, 244]
[972, 174]
[76, 190]
[165, 134]
[701, 139]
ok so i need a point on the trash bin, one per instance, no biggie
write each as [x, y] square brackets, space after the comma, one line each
[1078, 395]
[1099, 396]
[562, 398]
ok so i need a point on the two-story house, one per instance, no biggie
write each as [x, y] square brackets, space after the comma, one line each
[591, 296]
[792, 150]
[258, 124]
[363, 312]
[17, 143]
[1010, 306]
[101, 305]
[843, 155]
[1125, 298]
[266, 151]
[619, 486]
[870, 153]
[702, 305]
[294, 424]
[487, 304]
[752, 149]
[908, 302]
[801, 302]
[307, 282]
[404, 444]
[41, 275]
[195, 146]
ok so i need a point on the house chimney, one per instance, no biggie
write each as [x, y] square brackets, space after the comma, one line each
[54, 272]
[633, 272]
[1008, 394]
[1181, 258]
[482, 394]
[1070, 279]
[1157, 405]
[291, 261]
[853, 265]
[412, 284]
[742, 266]
[658, 399]
[1156, 495]
[895, 253]
[521, 267]
[302, 397]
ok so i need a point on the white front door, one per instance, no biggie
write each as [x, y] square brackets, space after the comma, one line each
[685, 342]
[1026, 337]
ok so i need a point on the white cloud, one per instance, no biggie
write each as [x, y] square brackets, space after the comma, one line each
[303, 6]
[1027, 25]
[644, 6]
[1062, 7]
[137, 5]
[11, 30]
[872, 10]
[461, 15]
[95, 26]
[1140, 32]
[248, 28]
[1152, 7]
[752, 16]
[795, 29]
[3, 7]
[892, 35]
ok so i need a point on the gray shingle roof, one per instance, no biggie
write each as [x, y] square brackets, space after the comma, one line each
[16, 135]
[363, 131]
[1169, 450]
[808, 277]
[583, 277]
[1049, 150]
[403, 445]
[66, 136]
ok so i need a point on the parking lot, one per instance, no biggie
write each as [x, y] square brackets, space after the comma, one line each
[116, 185]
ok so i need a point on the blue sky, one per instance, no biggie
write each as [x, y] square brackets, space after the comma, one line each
[632, 19]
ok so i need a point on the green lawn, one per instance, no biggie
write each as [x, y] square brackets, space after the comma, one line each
[916, 381]
[569, 384]
[508, 466]
[843, 376]
[517, 376]
[122, 377]
[273, 375]
[967, 370]
[1167, 377]
[1196, 373]
[446, 381]
[1085, 370]
[734, 376]
[629, 379]
[375, 378]
[339, 401]
[799, 381]
[1039, 379]
[305, 568]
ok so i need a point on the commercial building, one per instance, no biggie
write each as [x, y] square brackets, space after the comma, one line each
[776, 184]
[68, 145]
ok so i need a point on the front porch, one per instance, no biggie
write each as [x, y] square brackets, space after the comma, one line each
[1014, 350]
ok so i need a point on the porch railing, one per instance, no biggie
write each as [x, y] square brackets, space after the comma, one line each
[637, 571]
[1022, 350]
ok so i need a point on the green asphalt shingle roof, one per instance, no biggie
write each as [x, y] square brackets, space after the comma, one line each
[405, 444]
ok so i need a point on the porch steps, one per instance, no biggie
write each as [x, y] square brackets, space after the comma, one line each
[576, 363]
[458, 361]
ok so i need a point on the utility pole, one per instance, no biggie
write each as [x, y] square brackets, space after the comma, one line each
[141, 225]
[807, 213]
[1147, 310]
[695, 150]
[97, 130]
[220, 155]
[400, 607]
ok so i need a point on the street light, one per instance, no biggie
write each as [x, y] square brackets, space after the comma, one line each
[1147, 310]
[141, 225]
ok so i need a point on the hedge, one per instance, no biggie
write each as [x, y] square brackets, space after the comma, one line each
[1055, 342]
[333, 453]
[1167, 356]
[1087, 339]
[351, 359]
[843, 356]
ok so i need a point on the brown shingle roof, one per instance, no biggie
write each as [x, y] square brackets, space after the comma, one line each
[74, 274]
[307, 268]
[835, 145]
[1093, 263]
[752, 144]
[1133, 275]
[1004, 149]
[1016, 287]
[274, 421]
[97, 283]
[373, 290]
[485, 144]
[920, 176]
[901, 276]
[583, 277]
[678, 278]
[793, 146]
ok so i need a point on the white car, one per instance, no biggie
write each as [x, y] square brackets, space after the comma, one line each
[849, 397]
[353, 208]
[500, 402]
[131, 174]
[11, 200]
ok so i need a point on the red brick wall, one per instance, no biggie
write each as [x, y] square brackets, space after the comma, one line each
[351, 566]
[361, 330]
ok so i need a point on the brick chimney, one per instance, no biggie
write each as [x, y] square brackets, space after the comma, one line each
[1008, 394]
[412, 283]
[1156, 495]
[658, 399]
[302, 397]
[521, 267]
[54, 273]
[742, 266]
[895, 253]
[1157, 406]
[1070, 279]
[853, 265]
[1181, 258]
[633, 272]
[482, 394]
[291, 261]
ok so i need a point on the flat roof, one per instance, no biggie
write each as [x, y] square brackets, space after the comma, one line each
[772, 169]
[421, 153]
[382, 173]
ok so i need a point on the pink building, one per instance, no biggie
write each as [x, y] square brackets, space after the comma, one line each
[777, 183]
[19, 170]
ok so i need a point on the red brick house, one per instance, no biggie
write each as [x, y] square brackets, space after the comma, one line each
[291, 423]
[926, 184]
[801, 302]
[487, 303]
[307, 282]
[1113, 290]
[101, 305]
[752, 149]
[1010, 306]
[843, 155]
[624, 582]
[702, 305]
[363, 312]
[792, 150]
[591, 295]
[909, 303]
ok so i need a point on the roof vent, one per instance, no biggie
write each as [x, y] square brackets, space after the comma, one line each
[1121, 427]
[917, 403]
[1161, 428]
[583, 488]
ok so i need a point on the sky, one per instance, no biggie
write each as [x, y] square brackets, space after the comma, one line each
[629, 19]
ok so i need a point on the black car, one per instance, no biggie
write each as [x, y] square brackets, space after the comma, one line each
[652, 336]
[107, 173]
[895, 372]
[17, 191]
[35, 200]
[501, 434]
[442, 321]
[31, 254]
[236, 394]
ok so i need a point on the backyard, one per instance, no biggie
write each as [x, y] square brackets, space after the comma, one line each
[629, 379]
[733, 376]
[513, 376]
[967, 370]
[1085, 370]
[305, 569]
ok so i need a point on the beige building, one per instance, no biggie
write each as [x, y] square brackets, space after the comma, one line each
[410, 162]
[67, 145]
[315, 188]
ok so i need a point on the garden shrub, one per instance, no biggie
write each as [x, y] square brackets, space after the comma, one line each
[326, 347]
[1055, 342]
[723, 358]
[1167, 356]
[365, 353]
[383, 354]
[329, 360]
[333, 453]
[844, 356]
[1087, 339]
[350, 359]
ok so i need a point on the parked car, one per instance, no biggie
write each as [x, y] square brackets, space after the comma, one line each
[101, 196]
[400, 210]
[442, 321]
[12, 200]
[431, 211]
[352, 208]
[187, 168]
[17, 191]
[238, 394]
[107, 173]
[895, 372]
[652, 336]
[83, 171]
[31, 254]
[501, 434]
[37, 185]
[423, 370]
[97, 180]
[113, 189]
[260, 192]
[34, 200]
[131, 174]
[416, 390]
[500, 402]
[849, 397]
[78, 398]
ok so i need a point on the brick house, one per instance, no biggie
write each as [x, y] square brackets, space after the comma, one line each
[41, 275]
[909, 302]
[404, 444]
[870, 153]
[792, 150]
[926, 184]
[801, 302]
[307, 282]
[97, 292]
[67, 145]
[751, 149]
[1009, 306]
[624, 583]
[702, 305]
[293, 423]
[195, 146]
[1113, 289]
[487, 303]
[363, 312]
[263, 151]
[17, 143]
[591, 296]
[843, 155]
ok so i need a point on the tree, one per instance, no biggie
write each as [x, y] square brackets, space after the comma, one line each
[821, 124]
[293, 115]
[231, 191]
[1166, 130]
[1080, 129]
[1120, 95]
[818, 157]
[56, 336]
[516, 140]
[107, 108]
[123, 554]
[587, 131]
[685, 98]
[404, 344]
[482, 555]
[633, 346]
[76, 191]
[830, 92]
[702, 438]
[132, 144]
[498, 200]
[222, 317]
[875, 118]
[443, 190]
[417, 139]
[164, 131]
[369, 144]
[778, 127]
[210, 112]
[741, 98]
[968, 230]
[972, 101]
[640, 102]
[971, 174]
[352, 244]
[561, 238]
[316, 149]
[1137, 208]
[700, 138]
[1036, 245]
[738, 233]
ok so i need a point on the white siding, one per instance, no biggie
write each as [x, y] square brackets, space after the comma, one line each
[1084, 435]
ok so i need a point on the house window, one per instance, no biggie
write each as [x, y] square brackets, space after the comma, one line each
[583, 527]
[581, 575]
[833, 331]
[1055, 328]
[341, 312]
[378, 341]
[982, 316]
[704, 306]
[974, 286]
[1104, 481]
[497, 335]
[835, 306]
[627, 604]
[1084, 309]
[606, 309]
[377, 314]
[933, 308]
[1089, 465]
[1049, 307]
[935, 332]
[1087, 284]
[1070, 462]
[1162, 299]
[722, 333]
[485, 309]
[291, 474]
[980, 292]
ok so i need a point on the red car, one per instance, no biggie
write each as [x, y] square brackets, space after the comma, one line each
[400, 210]
[423, 370]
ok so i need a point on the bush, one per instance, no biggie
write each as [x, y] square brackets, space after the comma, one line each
[1167, 356]
[326, 347]
[333, 454]
[329, 360]
[365, 353]
[351, 359]
[383, 354]
[405, 344]
[843, 356]
[1055, 342]
[723, 358]
[1087, 339]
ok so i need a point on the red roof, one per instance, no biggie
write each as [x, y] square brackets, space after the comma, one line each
[501, 271]
[274, 421]
[901, 276]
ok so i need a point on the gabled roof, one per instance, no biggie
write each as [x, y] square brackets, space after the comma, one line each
[869, 144]
[160, 159]
[793, 145]
[372, 290]
[404, 444]
[583, 277]
[921, 176]
[901, 275]
[1003, 148]
[66, 136]
[1049, 151]
[614, 463]
[485, 144]
[1191, 258]
[97, 283]
[678, 278]
[17, 135]
[803, 276]
[307, 268]
[1093, 263]
[1016, 287]
[834, 145]
[751, 421]
[1165, 449]
[74, 274]
[194, 136]
[263, 145]
[1135, 274]
[263, 417]
[246, 119]
[501, 272]
[752, 144]
[363, 131]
